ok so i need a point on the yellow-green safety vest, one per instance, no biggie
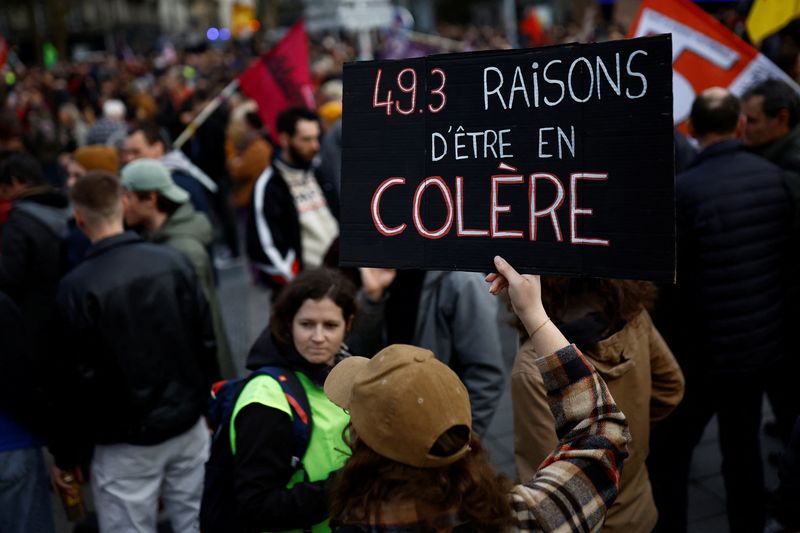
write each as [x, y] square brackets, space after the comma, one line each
[327, 451]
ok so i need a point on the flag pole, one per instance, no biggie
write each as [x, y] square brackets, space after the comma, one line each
[212, 106]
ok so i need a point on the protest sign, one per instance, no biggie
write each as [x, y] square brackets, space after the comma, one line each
[704, 53]
[558, 158]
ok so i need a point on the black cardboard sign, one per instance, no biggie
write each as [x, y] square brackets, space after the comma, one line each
[560, 159]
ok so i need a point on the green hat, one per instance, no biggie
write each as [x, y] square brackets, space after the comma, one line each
[151, 175]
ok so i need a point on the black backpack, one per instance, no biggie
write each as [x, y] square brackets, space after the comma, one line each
[218, 507]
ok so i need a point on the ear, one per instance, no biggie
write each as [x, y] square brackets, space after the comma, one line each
[349, 325]
[79, 220]
[740, 126]
[783, 117]
[283, 139]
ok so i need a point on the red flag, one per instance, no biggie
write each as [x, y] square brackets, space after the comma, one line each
[704, 53]
[3, 51]
[281, 78]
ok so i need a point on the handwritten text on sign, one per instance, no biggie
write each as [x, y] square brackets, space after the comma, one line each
[559, 158]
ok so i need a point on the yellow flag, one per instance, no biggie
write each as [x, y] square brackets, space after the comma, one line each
[768, 16]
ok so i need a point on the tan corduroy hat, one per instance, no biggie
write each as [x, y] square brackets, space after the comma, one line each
[401, 401]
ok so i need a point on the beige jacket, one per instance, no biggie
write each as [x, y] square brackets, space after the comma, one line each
[646, 382]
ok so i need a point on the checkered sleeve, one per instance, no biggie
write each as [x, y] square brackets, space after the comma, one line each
[578, 482]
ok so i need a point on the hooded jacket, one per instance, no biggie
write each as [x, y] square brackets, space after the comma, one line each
[190, 232]
[264, 449]
[645, 380]
[33, 258]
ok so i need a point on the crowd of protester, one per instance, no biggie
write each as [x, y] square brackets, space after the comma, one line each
[112, 330]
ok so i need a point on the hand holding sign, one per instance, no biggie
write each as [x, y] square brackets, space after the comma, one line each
[525, 292]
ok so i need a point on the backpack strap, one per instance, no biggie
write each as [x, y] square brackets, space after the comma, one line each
[298, 402]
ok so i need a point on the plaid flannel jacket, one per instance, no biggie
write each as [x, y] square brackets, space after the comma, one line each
[579, 481]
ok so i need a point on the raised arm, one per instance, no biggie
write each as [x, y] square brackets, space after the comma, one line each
[578, 482]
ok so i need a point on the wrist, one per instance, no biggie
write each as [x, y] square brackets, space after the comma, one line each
[533, 319]
[374, 295]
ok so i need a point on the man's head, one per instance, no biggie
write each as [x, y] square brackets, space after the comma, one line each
[97, 203]
[772, 109]
[150, 194]
[298, 136]
[144, 140]
[716, 116]
[18, 173]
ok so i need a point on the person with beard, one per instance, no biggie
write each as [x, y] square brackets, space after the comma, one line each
[163, 214]
[291, 226]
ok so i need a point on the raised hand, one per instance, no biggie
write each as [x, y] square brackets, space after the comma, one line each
[375, 281]
[525, 292]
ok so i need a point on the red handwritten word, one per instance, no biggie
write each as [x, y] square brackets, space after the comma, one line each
[406, 82]
[455, 208]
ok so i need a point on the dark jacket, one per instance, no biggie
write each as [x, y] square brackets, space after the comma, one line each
[456, 318]
[784, 152]
[273, 230]
[732, 221]
[33, 258]
[262, 471]
[138, 352]
[197, 194]
[21, 387]
[190, 232]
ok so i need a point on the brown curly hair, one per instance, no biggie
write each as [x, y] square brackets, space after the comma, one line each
[621, 299]
[470, 485]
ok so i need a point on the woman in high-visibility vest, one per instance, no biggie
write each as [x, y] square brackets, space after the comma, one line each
[306, 333]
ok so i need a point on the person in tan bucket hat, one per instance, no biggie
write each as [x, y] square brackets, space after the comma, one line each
[416, 465]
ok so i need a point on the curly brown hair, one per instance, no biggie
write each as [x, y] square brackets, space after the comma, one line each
[470, 486]
[620, 299]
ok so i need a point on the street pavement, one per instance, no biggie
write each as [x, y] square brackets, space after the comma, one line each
[246, 311]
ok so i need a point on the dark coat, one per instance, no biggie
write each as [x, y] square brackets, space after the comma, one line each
[21, 387]
[784, 152]
[273, 230]
[138, 352]
[33, 258]
[733, 216]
